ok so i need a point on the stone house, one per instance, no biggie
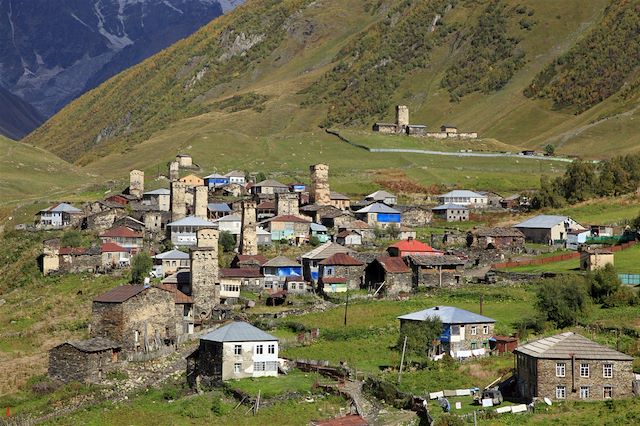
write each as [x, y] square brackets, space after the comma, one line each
[295, 284]
[268, 187]
[411, 246]
[83, 361]
[124, 237]
[131, 223]
[139, 318]
[248, 261]
[184, 160]
[380, 215]
[277, 270]
[332, 217]
[596, 259]
[236, 350]
[263, 237]
[451, 212]
[464, 334]
[547, 229]
[436, 271]
[348, 238]
[392, 271]
[59, 216]
[159, 199]
[183, 231]
[102, 220]
[231, 223]
[500, 238]
[382, 197]
[183, 312]
[407, 233]
[79, 259]
[339, 201]
[415, 216]
[171, 261]
[363, 228]
[312, 259]
[236, 177]
[114, 256]
[233, 280]
[288, 227]
[342, 265]
[569, 366]
[266, 210]
[510, 202]
[319, 231]
[463, 197]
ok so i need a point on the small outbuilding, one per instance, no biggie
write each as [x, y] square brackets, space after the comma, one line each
[83, 361]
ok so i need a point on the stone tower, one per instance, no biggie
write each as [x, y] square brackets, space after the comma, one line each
[319, 192]
[174, 171]
[204, 272]
[178, 205]
[200, 201]
[287, 203]
[136, 183]
[249, 238]
[50, 256]
[402, 116]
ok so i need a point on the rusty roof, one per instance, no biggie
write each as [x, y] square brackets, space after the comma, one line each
[333, 280]
[72, 250]
[341, 259]
[251, 258]
[112, 248]
[412, 245]
[350, 420]
[288, 218]
[395, 265]
[240, 273]
[121, 231]
[179, 297]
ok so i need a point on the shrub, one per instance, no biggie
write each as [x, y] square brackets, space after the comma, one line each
[71, 238]
[117, 375]
[140, 266]
[623, 296]
[563, 300]
[227, 242]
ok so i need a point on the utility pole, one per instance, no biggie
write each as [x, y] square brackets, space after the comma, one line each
[346, 306]
[481, 302]
[404, 348]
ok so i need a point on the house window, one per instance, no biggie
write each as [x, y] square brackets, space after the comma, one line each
[560, 369]
[561, 392]
[474, 330]
[485, 329]
[607, 371]
[271, 349]
[259, 349]
[584, 392]
[271, 366]
[584, 370]
[455, 330]
[237, 350]
[259, 366]
[237, 367]
[474, 345]
[607, 392]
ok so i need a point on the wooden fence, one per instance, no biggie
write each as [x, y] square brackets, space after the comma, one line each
[553, 259]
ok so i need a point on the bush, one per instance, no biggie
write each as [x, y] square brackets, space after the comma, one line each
[117, 375]
[140, 266]
[535, 324]
[71, 238]
[227, 242]
[314, 241]
[624, 296]
[563, 300]
[603, 283]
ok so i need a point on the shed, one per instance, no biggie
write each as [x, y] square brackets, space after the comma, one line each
[83, 361]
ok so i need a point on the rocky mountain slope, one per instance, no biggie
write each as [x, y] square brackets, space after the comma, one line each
[53, 51]
[510, 70]
[17, 118]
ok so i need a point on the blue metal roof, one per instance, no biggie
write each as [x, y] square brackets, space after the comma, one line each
[447, 315]
[238, 331]
[317, 227]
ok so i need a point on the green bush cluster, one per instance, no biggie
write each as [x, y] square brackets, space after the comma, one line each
[242, 102]
[490, 59]
[597, 66]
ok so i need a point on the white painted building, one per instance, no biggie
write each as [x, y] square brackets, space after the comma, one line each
[463, 197]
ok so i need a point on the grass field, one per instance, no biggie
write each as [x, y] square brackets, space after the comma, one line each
[605, 211]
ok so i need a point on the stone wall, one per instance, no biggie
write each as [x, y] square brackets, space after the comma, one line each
[319, 192]
[74, 264]
[200, 201]
[396, 283]
[402, 116]
[69, 364]
[248, 237]
[101, 221]
[205, 272]
[50, 259]
[287, 204]
[353, 274]
[416, 216]
[153, 221]
[136, 183]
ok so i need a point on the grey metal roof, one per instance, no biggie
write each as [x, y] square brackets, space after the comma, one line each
[235, 173]
[448, 315]
[317, 227]
[450, 206]
[271, 182]
[377, 208]
[230, 218]
[566, 345]
[325, 250]
[219, 207]
[63, 207]
[238, 331]
[161, 191]
[192, 221]
[337, 196]
[462, 193]
[95, 344]
[380, 195]
[281, 261]
[542, 221]
[172, 254]
[214, 176]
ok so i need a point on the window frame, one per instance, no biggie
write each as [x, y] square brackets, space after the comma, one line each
[237, 367]
[474, 330]
[485, 329]
[607, 367]
[271, 349]
[259, 349]
[607, 389]
[584, 392]
[563, 366]
[584, 366]
[237, 349]
[561, 392]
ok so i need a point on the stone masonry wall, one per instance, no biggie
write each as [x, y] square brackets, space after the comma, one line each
[136, 183]
[248, 237]
[178, 202]
[319, 193]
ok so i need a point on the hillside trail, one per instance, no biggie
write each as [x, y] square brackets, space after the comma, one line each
[372, 410]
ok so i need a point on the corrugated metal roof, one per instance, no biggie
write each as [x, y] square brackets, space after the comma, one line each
[219, 207]
[563, 346]
[281, 262]
[448, 315]
[121, 231]
[192, 221]
[179, 297]
[380, 195]
[172, 254]
[337, 196]
[333, 280]
[288, 218]
[230, 218]
[394, 265]
[377, 208]
[62, 207]
[462, 193]
[542, 221]
[325, 250]
[240, 273]
[413, 246]
[499, 232]
[95, 344]
[120, 294]
[272, 183]
[317, 227]
[238, 331]
[161, 191]
[112, 248]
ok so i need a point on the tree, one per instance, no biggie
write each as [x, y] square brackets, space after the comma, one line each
[226, 241]
[393, 231]
[421, 335]
[314, 241]
[563, 300]
[71, 238]
[140, 267]
[603, 283]
[549, 149]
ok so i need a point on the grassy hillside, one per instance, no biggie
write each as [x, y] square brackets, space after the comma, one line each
[307, 63]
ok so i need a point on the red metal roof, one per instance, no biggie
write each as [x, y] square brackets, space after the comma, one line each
[267, 205]
[240, 273]
[333, 280]
[122, 232]
[112, 248]
[414, 246]
[393, 264]
[341, 259]
[179, 297]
